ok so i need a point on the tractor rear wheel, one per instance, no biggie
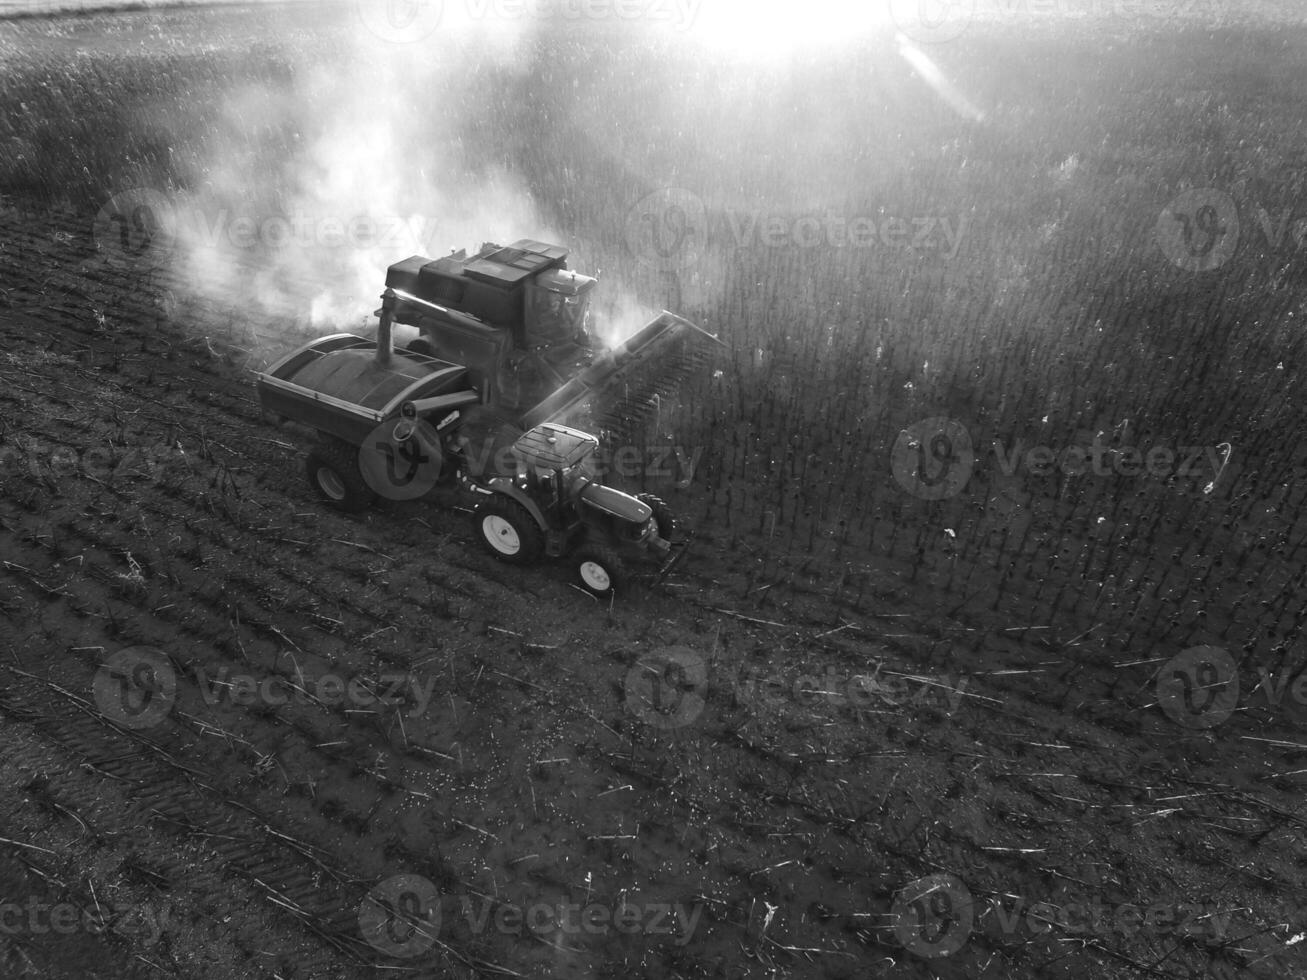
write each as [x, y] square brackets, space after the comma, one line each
[599, 569]
[333, 471]
[663, 517]
[422, 346]
[508, 531]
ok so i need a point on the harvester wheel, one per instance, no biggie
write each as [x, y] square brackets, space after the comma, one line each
[422, 346]
[333, 472]
[663, 517]
[508, 531]
[599, 569]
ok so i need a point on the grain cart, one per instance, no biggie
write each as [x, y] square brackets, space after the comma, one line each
[391, 423]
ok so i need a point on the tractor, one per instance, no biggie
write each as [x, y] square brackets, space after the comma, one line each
[554, 506]
[401, 423]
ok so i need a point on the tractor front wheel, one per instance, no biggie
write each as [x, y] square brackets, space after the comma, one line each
[663, 517]
[508, 531]
[599, 569]
[333, 472]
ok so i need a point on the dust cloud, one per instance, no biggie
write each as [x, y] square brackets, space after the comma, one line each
[357, 158]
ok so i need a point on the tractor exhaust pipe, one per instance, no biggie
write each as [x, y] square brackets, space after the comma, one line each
[385, 331]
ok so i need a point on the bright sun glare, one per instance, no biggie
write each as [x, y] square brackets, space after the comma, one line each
[766, 27]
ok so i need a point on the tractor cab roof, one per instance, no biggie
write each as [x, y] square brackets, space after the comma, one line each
[555, 446]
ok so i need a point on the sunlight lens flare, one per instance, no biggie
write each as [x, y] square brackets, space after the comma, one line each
[933, 75]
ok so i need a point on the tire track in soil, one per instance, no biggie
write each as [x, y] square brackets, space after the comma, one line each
[172, 795]
[352, 752]
[118, 797]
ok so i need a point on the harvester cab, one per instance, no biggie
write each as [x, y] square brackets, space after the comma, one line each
[558, 310]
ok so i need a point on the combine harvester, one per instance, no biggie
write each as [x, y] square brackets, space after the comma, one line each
[521, 319]
[479, 401]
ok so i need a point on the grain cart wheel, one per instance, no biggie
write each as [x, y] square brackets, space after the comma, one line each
[663, 517]
[508, 531]
[333, 472]
[599, 569]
